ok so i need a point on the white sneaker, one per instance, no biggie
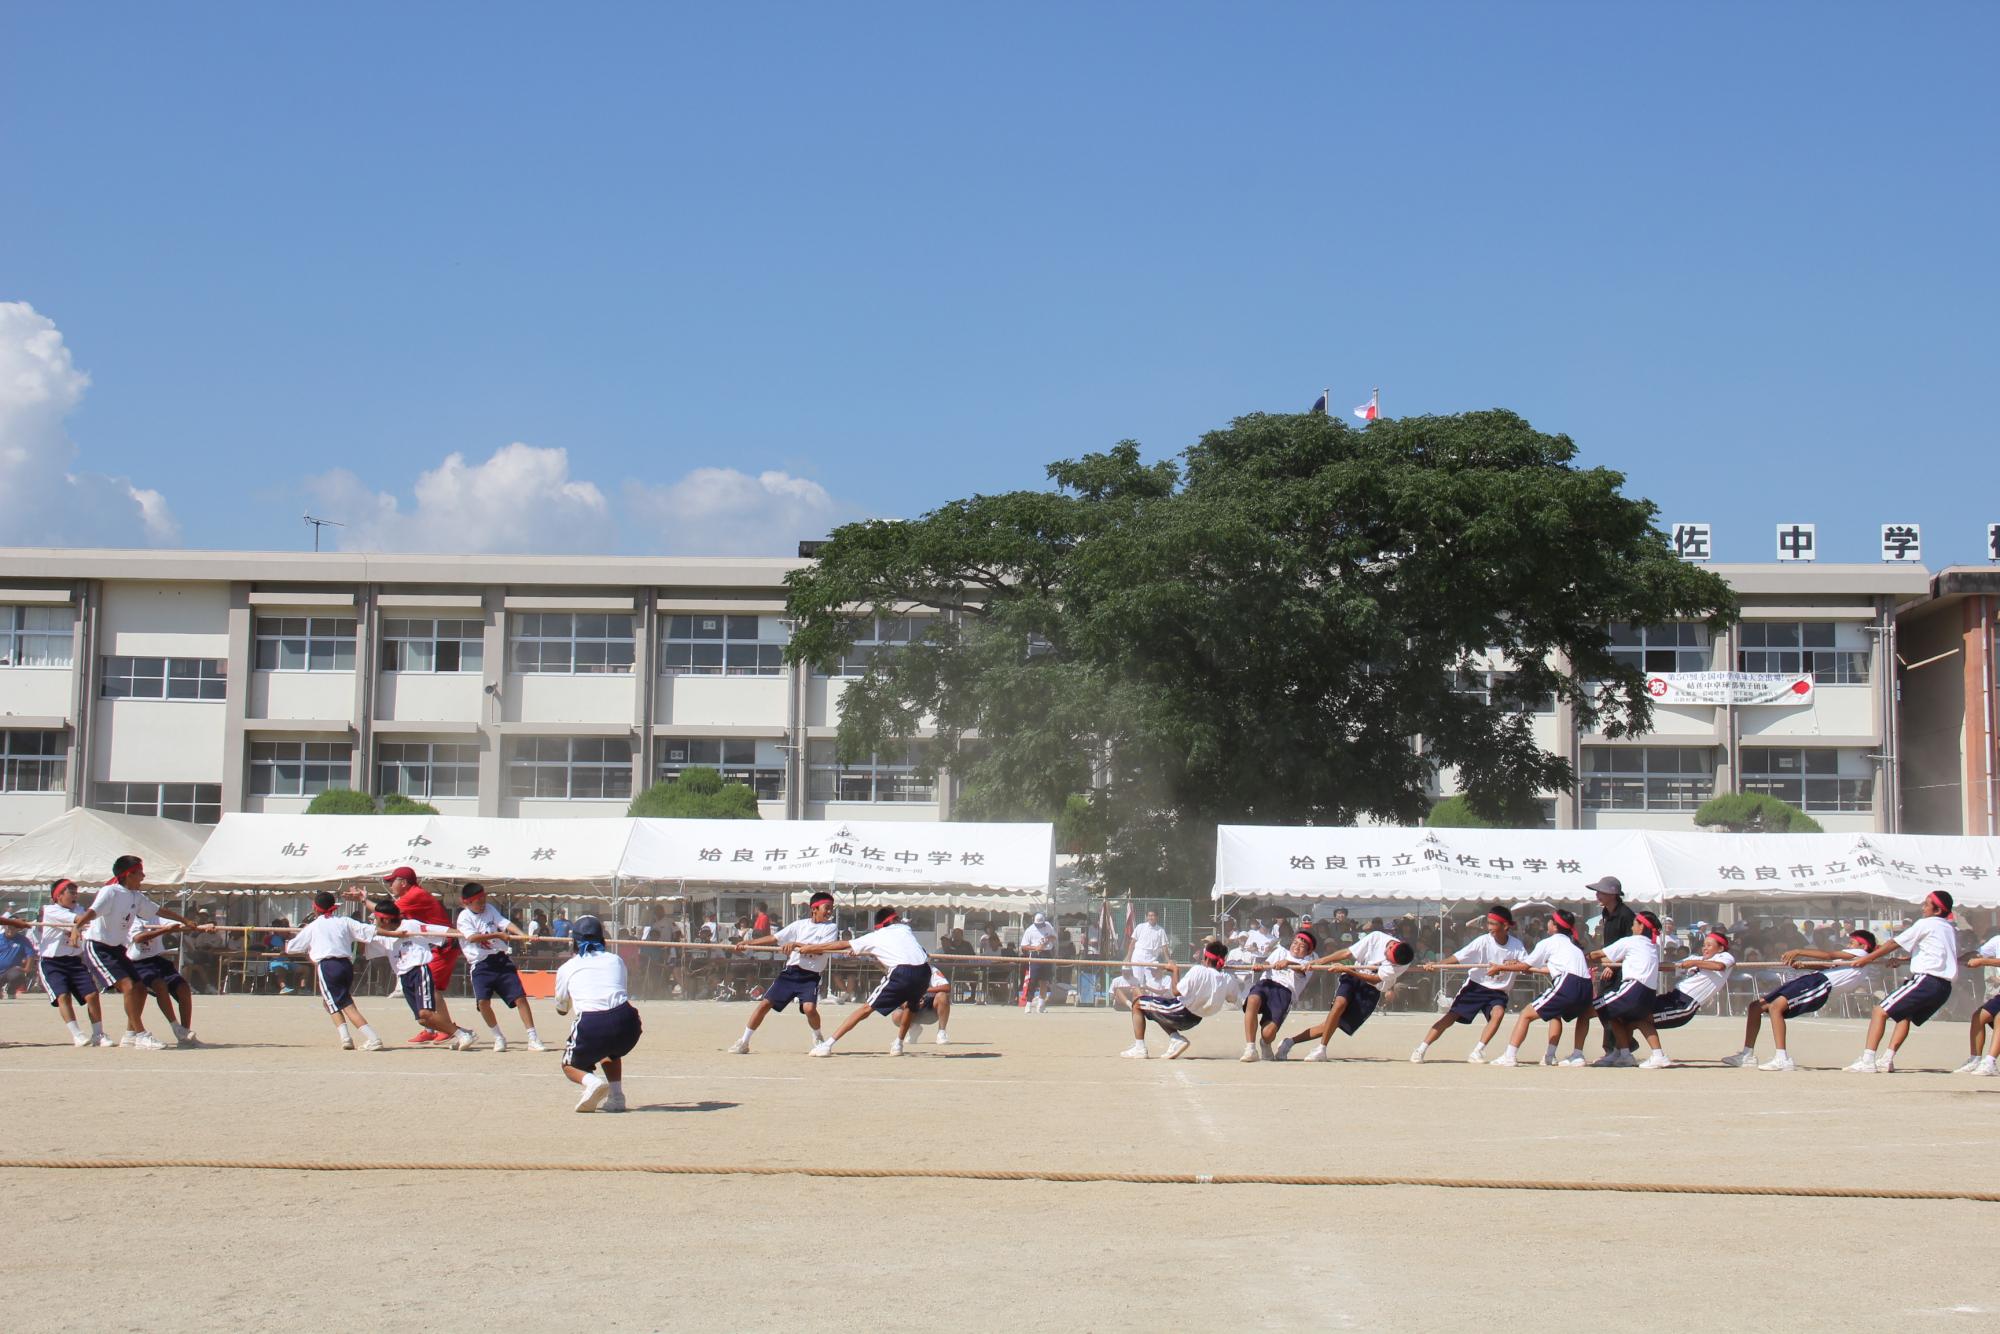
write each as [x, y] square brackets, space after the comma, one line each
[373, 1044]
[464, 1040]
[106, 1040]
[130, 1039]
[1505, 1058]
[1475, 1058]
[1627, 1061]
[1283, 1051]
[1318, 1053]
[1657, 1061]
[740, 1047]
[941, 1039]
[147, 1042]
[1971, 1067]
[1417, 1056]
[821, 1049]
[535, 1044]
[596, 1088]
[1742, 1060]
[1177, 1046]
[1988, 1066]
[500, 1043]
[347, 1043]
[188, 1039]
[1137, 1052]
[1864, 1064]
[896, 1047]
[1609, 1061]
[1574, 1059]
[1549, 1056]
[1267, 1051]
[615, 1100]
[1885, 1063]
[82, 1040]
[1249, 1056]
[1779, 1062]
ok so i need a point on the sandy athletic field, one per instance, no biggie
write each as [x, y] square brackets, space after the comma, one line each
[233, 1249]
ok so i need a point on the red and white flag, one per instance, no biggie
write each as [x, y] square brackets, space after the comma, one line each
[1372, 409]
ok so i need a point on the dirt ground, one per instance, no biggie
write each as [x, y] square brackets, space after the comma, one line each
[173, 1249]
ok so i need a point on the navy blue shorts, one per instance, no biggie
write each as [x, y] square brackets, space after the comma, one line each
[419, 989]
[905, 985]
[1570, 998]
[1803, 994]
[1992, 1006]
[1169, 1012]
[1917, 999]
[496, 978]
[793, 984]
[1277, 1000]
[1475, 1000]
[155, 970]
[1361, 999]
[108, 965]
[602, 1035]
[336, 983]
[1631, 1001]
[65, 975]
[1674, 1008]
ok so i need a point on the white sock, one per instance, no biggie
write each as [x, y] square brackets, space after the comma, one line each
[494, 1029]
[749, 1033]
[179, 1031]
[346, 1034]
[1781, 1055]
[1512, 1050]
[75, 1029]
[1477, 1047]
[96, 1029]
[532, 1036]
[1423, 1047]
[1552, 1050]
[368, 1032]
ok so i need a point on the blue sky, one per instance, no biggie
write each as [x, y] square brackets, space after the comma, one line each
[754, 269]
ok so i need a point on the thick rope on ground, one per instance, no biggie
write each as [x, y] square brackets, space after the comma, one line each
[1008, 1174]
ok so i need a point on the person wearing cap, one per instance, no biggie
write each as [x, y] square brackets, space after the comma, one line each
[1701, 980]
[1270, 998]
[1987, 1016]
[1629, 1007]
[799, 980]
[1484, 993]
[1932, 944]
[418, 904]
[494, 977]
[607, 1026]
[1204, 989]
[408, 945]
[907, 977]
[105, 929]
[1823, 975]
[328, 940]
[1615, 922]
[1378, 959]
[1561, 958]
[17, 955]
[1038, 942]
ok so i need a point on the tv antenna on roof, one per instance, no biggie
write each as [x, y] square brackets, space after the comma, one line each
[318, 524]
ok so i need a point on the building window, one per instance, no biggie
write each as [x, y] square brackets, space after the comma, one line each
[565, 768]
[199, 803]
[426, 769]
[1647, 778]
[878, 778]
[433, 646]
[33, 761]
[723, 646]
[758, 765]
[298, 768]
[1681, 647]
[565, 643]
[305, 643]
[1808, 778]
[880, 637]
[1483, 685]
[1796, 648]
[164, 678]
[35, 636]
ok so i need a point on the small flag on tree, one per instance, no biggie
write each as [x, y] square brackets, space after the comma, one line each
[1372, 409]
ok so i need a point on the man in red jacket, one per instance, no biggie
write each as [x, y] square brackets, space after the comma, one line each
[419, 904]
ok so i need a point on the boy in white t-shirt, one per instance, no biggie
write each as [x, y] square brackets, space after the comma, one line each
[800, 979]
[1702, 979]
[1629, 1006]
[907, 977]
[1378, 959]
[1932, 944]
[935, 1006]
[1270, 997]
[607, 1027]
[1204, 989]
[1823, 974]
[1987, 1016]
[1568, 996]
[1484, 993]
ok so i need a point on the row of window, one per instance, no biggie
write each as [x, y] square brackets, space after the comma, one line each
[1681, 778]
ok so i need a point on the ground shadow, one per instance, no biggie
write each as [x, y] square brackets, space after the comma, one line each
[706, 1105]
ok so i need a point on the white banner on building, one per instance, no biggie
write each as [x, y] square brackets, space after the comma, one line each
[1740, 688]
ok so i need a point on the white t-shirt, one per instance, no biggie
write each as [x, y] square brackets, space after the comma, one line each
[330, 937]
[1285, 967]
[1489, 951]
[592, 982]
[1991, 949]
[151, 949]
[488, 918]
[53, 941]
[892, 946]
[939, 982]
[1372, 952]
[1258, 941]
[116, 907]
[1206, 991]
[1149, 943]
[1847, 979]
[1931, 942]
[1562, 956]
[1638, 960]
[1038, 937]
[407, 952]
[806, 931]
[1700, 984]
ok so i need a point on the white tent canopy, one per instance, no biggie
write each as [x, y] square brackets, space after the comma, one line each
[81, 844]
[1002, 859]
[1513, 864]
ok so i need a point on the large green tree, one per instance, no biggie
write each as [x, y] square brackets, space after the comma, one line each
[1256, 631]
[697, 794]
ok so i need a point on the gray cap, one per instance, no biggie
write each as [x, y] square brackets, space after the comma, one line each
[1607, 885]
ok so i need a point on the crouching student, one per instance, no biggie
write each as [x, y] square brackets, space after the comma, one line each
[1702, 980]
[1378, 960]
[607, 1027]
[406, 943]
[1629, 1007]
[1823, 975]
[935, 1007]
[1569, 995]
[1204, 989]
[1270, 997]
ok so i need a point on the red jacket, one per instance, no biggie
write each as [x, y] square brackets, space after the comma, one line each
[421, 905]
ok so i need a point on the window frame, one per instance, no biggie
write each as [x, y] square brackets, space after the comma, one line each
[202, 680]
[1649, 645]
[196, 802]
[886, 784]
[533, 635]
[1631, 771]
[430, 764]
[311, 634]
[1828, 664]
[766, 780]
[570, 767]
[684, 642]
[15, 631]
[1822, 791]
[395, 654]
[50, 752]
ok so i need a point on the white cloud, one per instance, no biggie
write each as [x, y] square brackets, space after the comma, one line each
[720, 511]
[43, 502]
[521, 499]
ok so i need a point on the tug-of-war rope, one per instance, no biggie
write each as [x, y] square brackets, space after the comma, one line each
[1006, 1174]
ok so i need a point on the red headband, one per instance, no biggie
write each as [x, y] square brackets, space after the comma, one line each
[1496, 917]
[1938, 903]
[1717, 937]
[60, 886]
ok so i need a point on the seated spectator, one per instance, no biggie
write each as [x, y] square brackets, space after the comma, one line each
[286, 971]
[17, 961]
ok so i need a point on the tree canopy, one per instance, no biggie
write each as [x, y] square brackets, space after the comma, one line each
[343, 801]
[697, 794]
[1255, 631]
[1455, 812]
[1755, 813]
